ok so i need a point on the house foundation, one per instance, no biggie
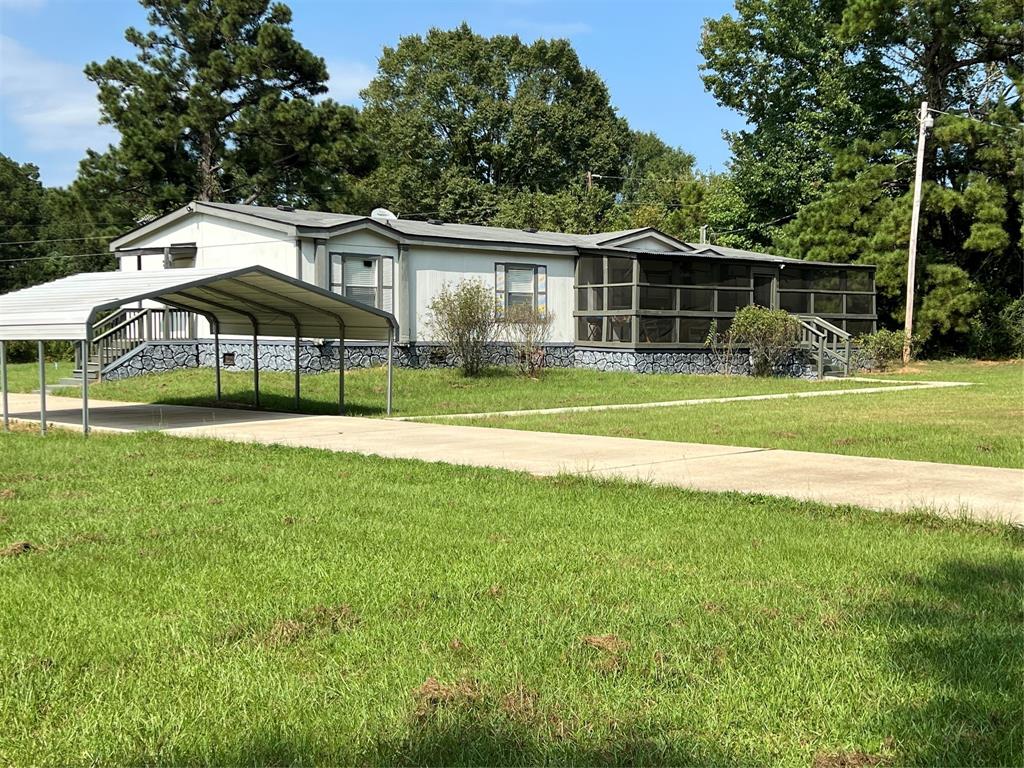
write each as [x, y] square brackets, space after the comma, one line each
[165, 356]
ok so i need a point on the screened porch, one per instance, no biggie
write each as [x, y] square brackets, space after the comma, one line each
[644, 301]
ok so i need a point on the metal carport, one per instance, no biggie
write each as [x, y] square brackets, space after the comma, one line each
[248, 301]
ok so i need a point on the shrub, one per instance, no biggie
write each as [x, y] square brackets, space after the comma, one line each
[528, 330]
[770, 334]
[462, 318]
[1013, 320]
[879, 350]
[28, 351]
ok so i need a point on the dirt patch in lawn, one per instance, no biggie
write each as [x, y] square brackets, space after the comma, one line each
[320, 619]
[433, 695]
[18, 548]
[606, 643]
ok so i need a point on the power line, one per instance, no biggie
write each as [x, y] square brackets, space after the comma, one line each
[976, 119]
[58, 240]
[755, 225]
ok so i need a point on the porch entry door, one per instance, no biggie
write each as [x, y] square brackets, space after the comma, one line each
[764, 289]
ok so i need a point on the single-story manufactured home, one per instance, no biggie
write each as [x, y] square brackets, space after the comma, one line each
[634, 299]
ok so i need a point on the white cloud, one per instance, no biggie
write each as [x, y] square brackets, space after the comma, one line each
[347, 79]
[51, 103]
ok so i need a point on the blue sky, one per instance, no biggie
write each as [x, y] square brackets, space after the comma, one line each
[645, 50]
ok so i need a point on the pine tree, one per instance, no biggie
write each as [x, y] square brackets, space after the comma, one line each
[220, 103]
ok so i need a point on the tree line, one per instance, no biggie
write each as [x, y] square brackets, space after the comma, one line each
[221, 102]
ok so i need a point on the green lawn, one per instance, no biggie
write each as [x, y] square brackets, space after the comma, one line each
[440, 391]
[187, 602]
[982, 424]
[24, 377]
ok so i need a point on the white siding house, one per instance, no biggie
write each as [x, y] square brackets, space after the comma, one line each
[636, 299]
[398, 266]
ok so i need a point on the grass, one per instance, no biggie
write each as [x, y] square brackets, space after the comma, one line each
[436, 391]
[24, 377]
[186, 601]
[978, 425]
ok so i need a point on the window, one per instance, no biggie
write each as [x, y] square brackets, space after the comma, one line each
[366, 278]
[518, 285]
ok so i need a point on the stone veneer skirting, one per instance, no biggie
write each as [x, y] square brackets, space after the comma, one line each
[162, 356]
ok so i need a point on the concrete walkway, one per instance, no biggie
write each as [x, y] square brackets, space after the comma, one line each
[885, 484]
[895, 386]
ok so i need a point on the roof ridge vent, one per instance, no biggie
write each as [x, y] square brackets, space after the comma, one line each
[286, 208]
[531, 230]
[435, 222]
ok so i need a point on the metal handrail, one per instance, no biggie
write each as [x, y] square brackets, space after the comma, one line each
[133, 327]
[832, 342]
[826, 324]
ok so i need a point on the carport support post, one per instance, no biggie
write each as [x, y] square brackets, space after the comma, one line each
[298, 395]
[256, 363]
[341, 368]
[3, 384]
[85, 390]
[216, 356]
[391, 346]
[42, 385]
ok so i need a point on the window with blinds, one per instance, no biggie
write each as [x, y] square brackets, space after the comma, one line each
[520, 285]
[368, 279]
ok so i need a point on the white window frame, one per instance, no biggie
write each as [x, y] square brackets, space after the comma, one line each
[540, 286]
[379, 267]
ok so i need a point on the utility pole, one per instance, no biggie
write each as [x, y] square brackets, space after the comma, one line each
[703, 234]
[924, 123]
[590, 181]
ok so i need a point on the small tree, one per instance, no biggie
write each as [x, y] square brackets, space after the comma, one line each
[879, 350]
[528, 330]
[770, 334]
[462, 318]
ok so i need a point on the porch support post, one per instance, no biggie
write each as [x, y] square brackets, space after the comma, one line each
[216, 356]
[256, 362]
[3, 385]
[298, 393]
[391, 345]
[341, 368]
[85, 392]
[42, 386]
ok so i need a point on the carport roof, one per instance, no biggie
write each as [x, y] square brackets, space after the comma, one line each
[66, 309]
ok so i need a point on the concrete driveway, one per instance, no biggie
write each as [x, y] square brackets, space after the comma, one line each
[883, 484]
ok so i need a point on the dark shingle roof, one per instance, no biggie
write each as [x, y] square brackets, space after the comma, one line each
[413, 228]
